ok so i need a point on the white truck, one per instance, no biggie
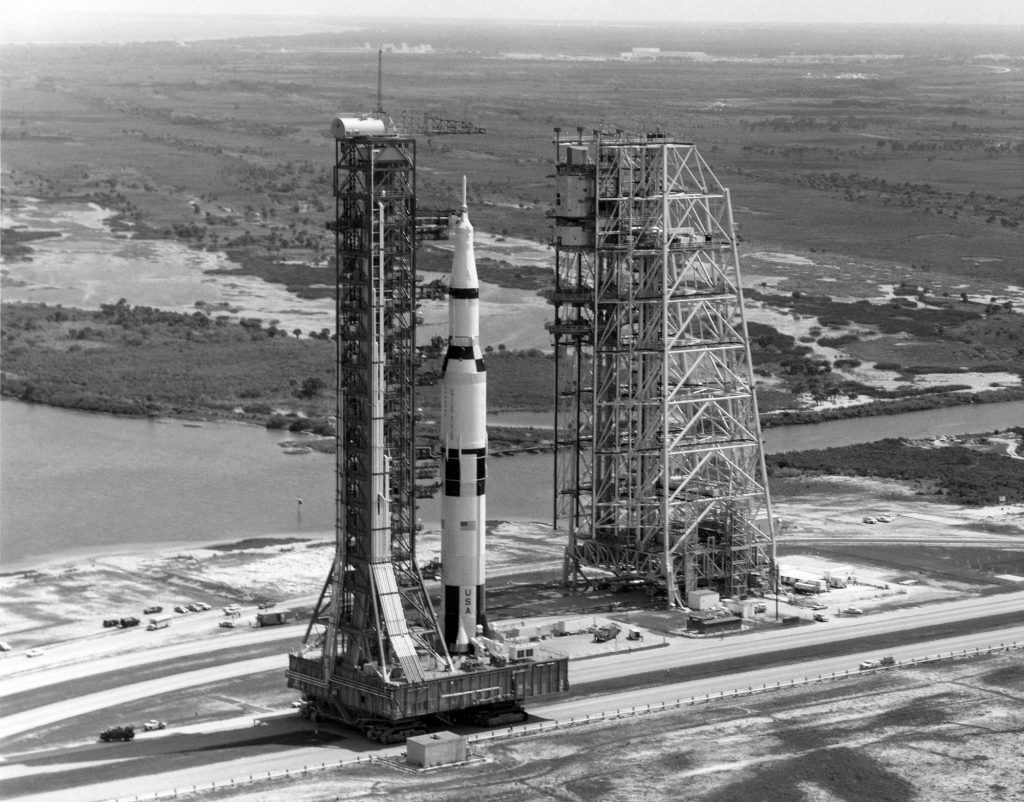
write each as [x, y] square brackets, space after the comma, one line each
[160, 622]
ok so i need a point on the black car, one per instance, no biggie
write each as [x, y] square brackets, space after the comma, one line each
[123, 733]
[111, 622]
[130, 622]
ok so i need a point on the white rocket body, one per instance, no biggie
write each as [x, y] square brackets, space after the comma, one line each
[464, 450]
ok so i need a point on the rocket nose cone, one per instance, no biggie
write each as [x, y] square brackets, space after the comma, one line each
[464, 263]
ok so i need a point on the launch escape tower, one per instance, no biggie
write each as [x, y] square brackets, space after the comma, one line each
[659, 469]
[374, 655]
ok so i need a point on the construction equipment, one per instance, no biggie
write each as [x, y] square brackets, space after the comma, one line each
[606, 633]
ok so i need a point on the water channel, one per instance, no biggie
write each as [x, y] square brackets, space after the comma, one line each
[74, 483]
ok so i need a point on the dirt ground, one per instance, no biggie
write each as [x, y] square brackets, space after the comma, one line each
[947, 730]
[928, 551]
[942, 731]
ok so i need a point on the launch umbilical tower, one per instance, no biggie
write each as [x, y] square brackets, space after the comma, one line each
[659, 468]
[374, 654]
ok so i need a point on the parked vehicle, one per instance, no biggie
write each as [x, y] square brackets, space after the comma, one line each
[111, 622]
[161, 622]
[131, 621]
[33, 653]
[606, 633]
[153, 610]
[195, 608]
[853, 611]
[154, 724]
[180, 608]
[273, 619]
[232, 609]
[819, 606]
[5, 646]
[123, 733]
[202, 607]
[266, 605]
[820, 617]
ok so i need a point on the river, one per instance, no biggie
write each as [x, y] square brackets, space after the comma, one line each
[74, 483]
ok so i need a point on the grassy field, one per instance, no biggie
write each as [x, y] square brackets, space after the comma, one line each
[895, 173]
[911, 160]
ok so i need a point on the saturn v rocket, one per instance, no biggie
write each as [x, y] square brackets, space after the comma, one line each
[464, 448]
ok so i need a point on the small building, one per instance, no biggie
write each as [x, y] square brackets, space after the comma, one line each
[714, 622]
[435, 749]
[702, 599]
[744, 608]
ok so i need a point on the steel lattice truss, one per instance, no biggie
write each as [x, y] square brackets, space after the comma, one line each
[659, 471]
[374, 607]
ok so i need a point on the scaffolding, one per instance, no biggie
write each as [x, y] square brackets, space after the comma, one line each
[374, 608]
[373, 654]
[659, 467]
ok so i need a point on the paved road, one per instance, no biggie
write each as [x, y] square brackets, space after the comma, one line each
[295, 759]
[679, 653]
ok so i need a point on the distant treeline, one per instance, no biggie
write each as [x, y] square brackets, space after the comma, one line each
[963, 475]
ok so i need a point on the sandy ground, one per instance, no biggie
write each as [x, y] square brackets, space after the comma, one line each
[68, 601]
[947, 730]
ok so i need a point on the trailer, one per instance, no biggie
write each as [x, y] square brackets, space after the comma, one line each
[275, 618]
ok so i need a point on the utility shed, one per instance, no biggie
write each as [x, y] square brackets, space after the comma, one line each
[712, 623]
[701, 599]
[435, 749]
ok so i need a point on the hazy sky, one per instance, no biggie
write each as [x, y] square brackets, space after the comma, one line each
[896, 11]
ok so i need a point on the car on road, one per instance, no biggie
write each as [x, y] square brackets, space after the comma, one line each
[33, 653]
[266, 605]
[228, 624]
[111, 622]
[123, 733]
[853, 611]
[820, 617]
[180, 608]
[5, 646]
[131, 621]
[885, 519]
[154, 724]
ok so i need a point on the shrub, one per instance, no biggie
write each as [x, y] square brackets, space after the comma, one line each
[836, 342]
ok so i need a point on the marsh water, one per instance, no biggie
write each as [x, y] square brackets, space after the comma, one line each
[76, 483]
